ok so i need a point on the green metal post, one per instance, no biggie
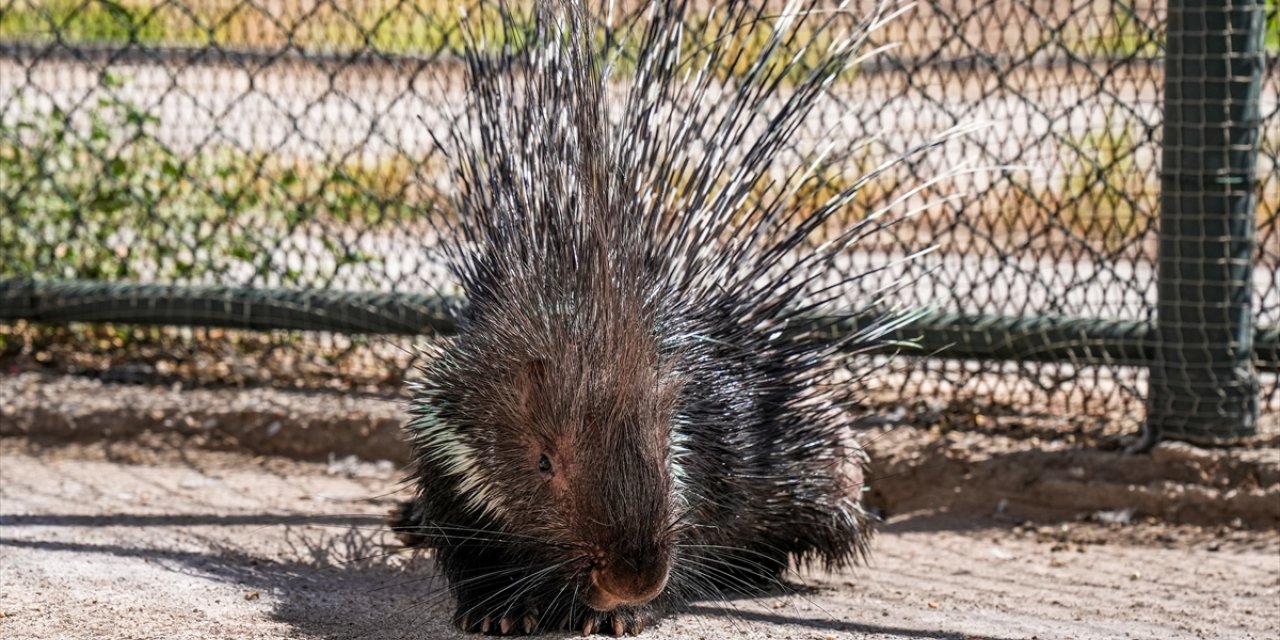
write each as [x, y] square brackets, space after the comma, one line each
[1203, 384]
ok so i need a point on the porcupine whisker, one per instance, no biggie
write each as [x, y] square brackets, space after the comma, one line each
[311, 520]
[323, 525]
[719, 587]
[779, 584]
[432, 599]
[496, 595]
[689, 587]
[678, 524]
[738, 625]
[531, 582]
[753, 564]
[461, 535]
[721, 569]
[432, 596]
[471, 580]
[707, 593]
[518, 596]
[710, 592]
[554, 603]
[474, 533]
[486, 577]
[424, 606]
[443, 592]
[385, 553]
[573, 602]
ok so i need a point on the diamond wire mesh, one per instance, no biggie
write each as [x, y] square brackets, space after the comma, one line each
[284, 144]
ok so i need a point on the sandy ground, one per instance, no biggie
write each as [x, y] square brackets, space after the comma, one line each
[135, 511]
[128, 542]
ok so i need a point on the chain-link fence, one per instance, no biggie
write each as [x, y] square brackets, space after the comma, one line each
[266, 165]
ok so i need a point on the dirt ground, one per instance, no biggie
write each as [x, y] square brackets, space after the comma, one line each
[153, 512]
[957, 457]
[128, 542]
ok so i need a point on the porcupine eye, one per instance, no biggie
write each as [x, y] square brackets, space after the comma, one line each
[544, 465]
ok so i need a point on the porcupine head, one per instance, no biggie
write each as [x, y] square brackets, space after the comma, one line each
[613, 361]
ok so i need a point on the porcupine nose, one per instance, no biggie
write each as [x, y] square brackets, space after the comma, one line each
[630, 581]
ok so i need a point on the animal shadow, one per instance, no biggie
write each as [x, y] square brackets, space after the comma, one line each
[347, 578]
[342, 578]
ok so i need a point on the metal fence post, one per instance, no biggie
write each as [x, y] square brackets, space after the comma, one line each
[1203, 384]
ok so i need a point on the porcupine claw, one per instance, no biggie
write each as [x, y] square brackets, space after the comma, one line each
[619, 627]
[529, 622]
[484, 625]
[589, 625]
[464, 623]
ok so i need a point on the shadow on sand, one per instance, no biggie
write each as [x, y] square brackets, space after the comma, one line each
[342, 577]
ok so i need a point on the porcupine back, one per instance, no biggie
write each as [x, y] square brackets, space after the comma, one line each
[635, 260]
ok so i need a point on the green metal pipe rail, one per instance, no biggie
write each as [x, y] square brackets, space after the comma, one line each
[60, 302]
[1045, 339]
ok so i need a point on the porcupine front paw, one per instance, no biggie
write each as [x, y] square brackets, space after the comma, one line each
[509, 620]
[526, 619]
[619, 622]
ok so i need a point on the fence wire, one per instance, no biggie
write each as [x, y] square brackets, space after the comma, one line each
[257, 146]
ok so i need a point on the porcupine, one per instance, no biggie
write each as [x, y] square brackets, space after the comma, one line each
[637, 408]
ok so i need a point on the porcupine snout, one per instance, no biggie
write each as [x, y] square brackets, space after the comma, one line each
[632, 577]
[629, 525]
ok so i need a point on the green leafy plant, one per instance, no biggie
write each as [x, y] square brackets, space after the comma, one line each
[384, 26]
[96, 194]
[92, 22]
